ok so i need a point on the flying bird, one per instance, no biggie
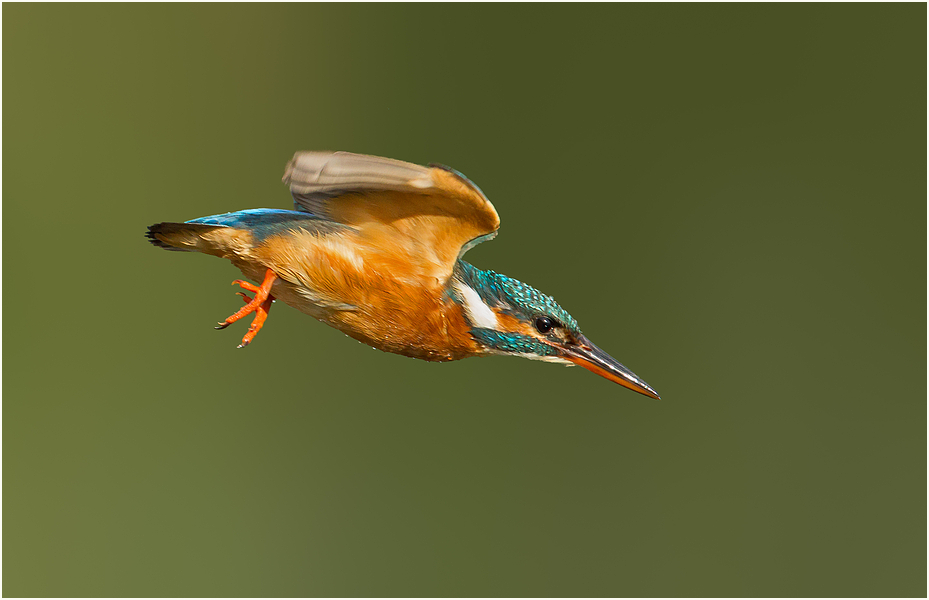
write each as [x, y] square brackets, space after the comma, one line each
[373, 248]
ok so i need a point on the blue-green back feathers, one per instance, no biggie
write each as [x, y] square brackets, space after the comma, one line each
[264, 222]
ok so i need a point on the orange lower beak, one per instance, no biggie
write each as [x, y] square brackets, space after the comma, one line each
[595, 360]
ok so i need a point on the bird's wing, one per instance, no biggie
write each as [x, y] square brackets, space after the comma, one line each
[431, 215]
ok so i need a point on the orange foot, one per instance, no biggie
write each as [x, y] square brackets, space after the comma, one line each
[261, 306]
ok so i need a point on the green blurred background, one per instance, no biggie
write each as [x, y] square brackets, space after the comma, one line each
[731, 199]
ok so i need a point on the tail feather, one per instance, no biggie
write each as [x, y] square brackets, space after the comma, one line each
[179, 237]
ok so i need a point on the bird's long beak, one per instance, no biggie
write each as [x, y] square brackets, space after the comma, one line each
[586, 354]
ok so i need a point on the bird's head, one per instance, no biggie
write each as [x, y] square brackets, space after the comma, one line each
[509, 317]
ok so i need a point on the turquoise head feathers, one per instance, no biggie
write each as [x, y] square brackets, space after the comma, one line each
[485, 294]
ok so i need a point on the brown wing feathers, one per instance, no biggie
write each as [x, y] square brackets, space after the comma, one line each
[426, 214]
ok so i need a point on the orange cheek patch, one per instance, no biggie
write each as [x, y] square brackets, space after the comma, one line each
[515, 325]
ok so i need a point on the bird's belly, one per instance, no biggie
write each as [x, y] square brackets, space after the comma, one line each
[378, 310]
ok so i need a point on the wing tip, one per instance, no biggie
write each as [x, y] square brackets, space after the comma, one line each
[310, 163]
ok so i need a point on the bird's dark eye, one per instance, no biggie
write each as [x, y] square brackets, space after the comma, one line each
[544, 324]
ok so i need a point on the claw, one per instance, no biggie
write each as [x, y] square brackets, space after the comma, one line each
[260, 305]
[246, 285]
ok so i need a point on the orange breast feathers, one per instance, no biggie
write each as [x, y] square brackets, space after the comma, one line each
[385, 291]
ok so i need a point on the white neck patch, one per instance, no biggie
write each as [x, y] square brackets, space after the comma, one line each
[478, 313]
[551, 359]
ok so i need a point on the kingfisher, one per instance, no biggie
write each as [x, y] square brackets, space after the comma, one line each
[374, 248]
